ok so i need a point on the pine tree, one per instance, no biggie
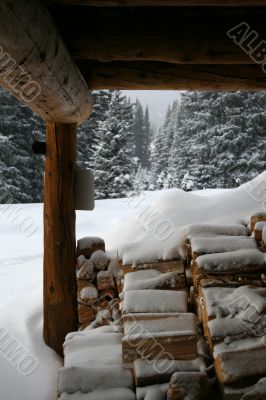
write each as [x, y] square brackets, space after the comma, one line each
[219, 138]
[23, 172]
[113, 156]
[89, 130]
[148, 138]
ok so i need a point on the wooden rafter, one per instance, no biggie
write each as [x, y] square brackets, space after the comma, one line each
[139, 75]
[156, 3]
[35, 65]
[182, 39]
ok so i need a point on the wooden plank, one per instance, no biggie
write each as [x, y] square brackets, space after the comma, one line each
[162, 266]
[36, 67]
[156, 3]
[137, 75]
[152, 338]
[196, 38]
[60, 288]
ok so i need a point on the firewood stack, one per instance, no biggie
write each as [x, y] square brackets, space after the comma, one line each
[161, 333]
[224, 256]
[234, 323]
[228, 273]
[98, 302]
[161, 338]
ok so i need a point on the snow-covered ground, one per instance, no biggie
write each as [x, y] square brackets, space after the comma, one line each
[21, 264]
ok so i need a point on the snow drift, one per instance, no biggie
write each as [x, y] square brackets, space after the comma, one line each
[143, 237]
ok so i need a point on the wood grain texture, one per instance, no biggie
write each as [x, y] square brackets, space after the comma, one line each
[35, 65]
[165, 76]
[196, 38]
[156, 3]
[60, 287]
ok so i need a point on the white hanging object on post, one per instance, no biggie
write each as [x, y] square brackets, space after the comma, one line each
[84, 189]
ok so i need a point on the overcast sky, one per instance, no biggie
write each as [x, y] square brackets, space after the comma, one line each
[157, 100]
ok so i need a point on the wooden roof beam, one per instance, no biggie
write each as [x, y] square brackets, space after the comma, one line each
[159, 76]
[156, 3]
[35, 65]
[166, 38]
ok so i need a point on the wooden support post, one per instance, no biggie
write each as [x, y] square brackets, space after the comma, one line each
[60, 302]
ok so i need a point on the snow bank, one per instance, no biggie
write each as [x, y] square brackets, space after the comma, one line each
[143, 237]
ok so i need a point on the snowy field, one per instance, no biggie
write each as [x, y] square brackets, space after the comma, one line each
[21, 262]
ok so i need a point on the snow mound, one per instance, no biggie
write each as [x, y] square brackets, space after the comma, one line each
[158, 232]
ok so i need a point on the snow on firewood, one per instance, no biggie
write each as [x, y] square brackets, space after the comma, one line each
[153, 392]
[259, 225]
[87, 245]
[107, 394]
[229, 301]
[257, 391]
[232, 362]
[154, 301]
[264, 235]
[89, 294]
[86, 270]
[100, 260]
[80, 261]
[245, 260]
[177, 325]
[209, 231]
[93, 360]
[150, 279]
[105, 280]
[222, 244]
[145, 370]
[113, 266]
[103, 317]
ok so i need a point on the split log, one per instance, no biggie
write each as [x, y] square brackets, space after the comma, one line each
[242, 359]
[88, 245]
[105, 280]
[86, 271]
[88, 295]
[86, 314]
[256, 218]
[100, 260]
[161, 266]
[159, 337]
[188, 385]
[108, 294]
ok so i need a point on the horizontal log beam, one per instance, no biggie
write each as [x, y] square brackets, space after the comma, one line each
[185, 39]
[159, 76]
[35, 65]
[157, 3]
